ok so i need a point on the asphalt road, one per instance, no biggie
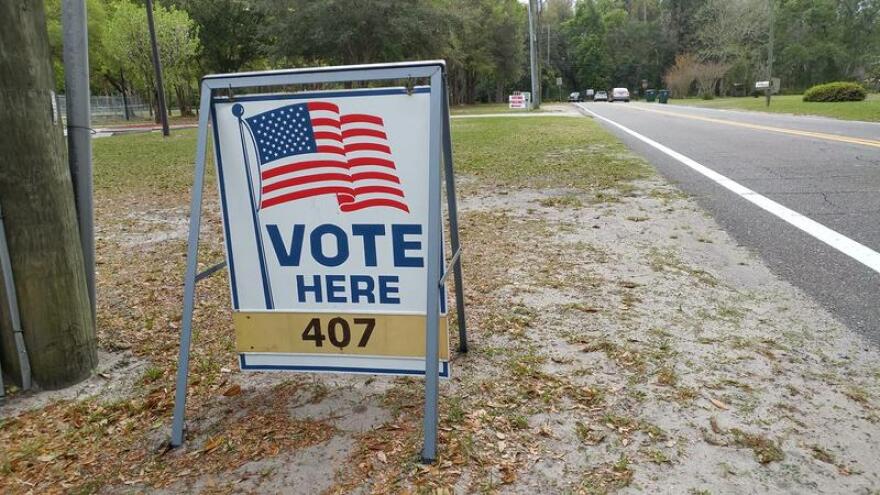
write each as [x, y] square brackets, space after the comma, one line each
[824, 169]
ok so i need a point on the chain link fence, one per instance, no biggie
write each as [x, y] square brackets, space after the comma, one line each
[112, 108]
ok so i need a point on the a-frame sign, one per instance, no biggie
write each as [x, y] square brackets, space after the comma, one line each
[332, 223]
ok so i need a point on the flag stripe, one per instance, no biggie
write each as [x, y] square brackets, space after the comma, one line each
[366, 147]
[329, 135]
[322, 105]
[297, 167]
[360, 132]
[331, 149]
[359, 117]
[375, 175]
[360, 205]
[306, 193]
[378, 189]
[368, 160]
[325, 121]
[306, 179]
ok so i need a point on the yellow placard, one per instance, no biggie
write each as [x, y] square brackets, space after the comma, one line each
[328, 333]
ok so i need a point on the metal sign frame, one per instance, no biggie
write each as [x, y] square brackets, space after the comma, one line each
[439, 148]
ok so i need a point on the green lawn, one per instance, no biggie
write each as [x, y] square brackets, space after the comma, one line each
[483, 108]
[868, 110]
[543, 151]
[535, 151]
[145, 161]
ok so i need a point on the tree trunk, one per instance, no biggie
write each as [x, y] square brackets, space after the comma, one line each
[36, 195]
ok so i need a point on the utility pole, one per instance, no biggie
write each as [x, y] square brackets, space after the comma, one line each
[79, 132]
[39, 212]
[533, 58]
[770, 53]
[157, 66]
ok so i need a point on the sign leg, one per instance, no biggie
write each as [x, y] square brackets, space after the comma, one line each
[432, 356]
[452, 202]
[195, 218]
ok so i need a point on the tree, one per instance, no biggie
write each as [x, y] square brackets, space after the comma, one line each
[680, 76]
[128, 44]
[97, 22]
[586, 31]
[345, 32]
[229, 33]
[36, 196]
[486, 49]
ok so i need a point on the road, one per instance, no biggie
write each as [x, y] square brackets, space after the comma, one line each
[825, 170]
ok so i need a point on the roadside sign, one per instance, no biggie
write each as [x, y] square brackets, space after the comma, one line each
[325, 209]
[517, 100]
[559, 81]
[332, 224]
[762, 85]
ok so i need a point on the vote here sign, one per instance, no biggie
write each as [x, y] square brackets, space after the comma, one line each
[325, 210]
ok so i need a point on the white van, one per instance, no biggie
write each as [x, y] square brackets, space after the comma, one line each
[619, 94]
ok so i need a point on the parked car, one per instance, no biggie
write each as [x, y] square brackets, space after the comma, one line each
[574, 96]
[589, 94]
[600, 96]
[620, 94]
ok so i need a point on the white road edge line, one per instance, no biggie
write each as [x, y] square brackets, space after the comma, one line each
[855, 250]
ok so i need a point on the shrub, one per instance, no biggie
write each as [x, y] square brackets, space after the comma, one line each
[836, 91]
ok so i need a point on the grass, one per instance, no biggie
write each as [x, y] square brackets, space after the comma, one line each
[868, 110]
[543, 152]
[551, 151]
[145, 161]
[484, 108]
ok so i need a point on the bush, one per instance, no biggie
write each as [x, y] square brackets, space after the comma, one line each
[836, 91]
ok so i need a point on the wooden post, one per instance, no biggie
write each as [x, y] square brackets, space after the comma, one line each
[36, 193]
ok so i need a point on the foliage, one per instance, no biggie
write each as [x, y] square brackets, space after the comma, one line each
[868, 110]
[680, 76]
[229, 33]
[836, 91]
[97, 26]
[344, 32]
[128, 46]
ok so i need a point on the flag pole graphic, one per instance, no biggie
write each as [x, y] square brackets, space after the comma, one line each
[238, 111]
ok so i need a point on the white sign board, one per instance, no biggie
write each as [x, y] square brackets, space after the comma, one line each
[762, 85]
[517, 101]
[325, 208]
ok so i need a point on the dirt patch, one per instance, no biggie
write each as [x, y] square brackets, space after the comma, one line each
[620, 342]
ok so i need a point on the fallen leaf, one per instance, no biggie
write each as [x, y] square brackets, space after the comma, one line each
[382, 457]
[500, 436]
[717, 403]
[501, 445]
[212, 443]
[233, 390]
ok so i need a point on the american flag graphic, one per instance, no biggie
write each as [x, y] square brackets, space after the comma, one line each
[311, 149]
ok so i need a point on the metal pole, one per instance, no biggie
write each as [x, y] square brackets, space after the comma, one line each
[157, 66]
[24, 363]
[189, 280]
[452, 205]
[432, 301]
[770, 54]
[533, 58]
[79, 132]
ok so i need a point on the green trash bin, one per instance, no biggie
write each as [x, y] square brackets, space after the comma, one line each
[663, 96]
[650, 95]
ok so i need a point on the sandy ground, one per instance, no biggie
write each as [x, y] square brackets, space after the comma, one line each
[628, 345]
[619, 343]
